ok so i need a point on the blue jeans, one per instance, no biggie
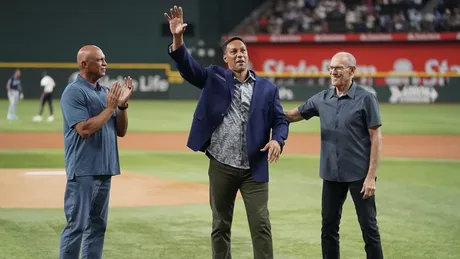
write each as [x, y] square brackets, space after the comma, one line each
[86, 203]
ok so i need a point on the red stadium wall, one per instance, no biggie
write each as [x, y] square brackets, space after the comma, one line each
[371, 57]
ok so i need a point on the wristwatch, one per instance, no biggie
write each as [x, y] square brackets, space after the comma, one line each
[123, 107]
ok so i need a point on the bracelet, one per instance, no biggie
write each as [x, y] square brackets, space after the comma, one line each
[123, 108]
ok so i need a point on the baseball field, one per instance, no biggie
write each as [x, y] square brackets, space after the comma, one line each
[159, 205]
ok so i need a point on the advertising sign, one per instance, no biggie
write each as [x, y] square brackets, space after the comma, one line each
[371, 58]
[147, 83]
[385, 57]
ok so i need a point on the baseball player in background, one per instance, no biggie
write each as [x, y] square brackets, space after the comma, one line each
[48, 84]
[13, 88]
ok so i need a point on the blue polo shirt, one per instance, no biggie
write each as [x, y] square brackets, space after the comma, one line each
[97, 154]
[15, 83]
[345, 123]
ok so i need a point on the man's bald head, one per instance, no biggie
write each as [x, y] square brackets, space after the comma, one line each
[86, 52]
[91, 61]
[346, 57]
[342, 69]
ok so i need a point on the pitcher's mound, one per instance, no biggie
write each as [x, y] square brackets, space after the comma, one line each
[42, 188]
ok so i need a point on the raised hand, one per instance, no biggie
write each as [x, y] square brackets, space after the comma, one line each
[176, 21]
[113, 95]
[126, 91]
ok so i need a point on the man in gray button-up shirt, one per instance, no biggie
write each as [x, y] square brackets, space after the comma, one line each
[350, 153]
[231, 134]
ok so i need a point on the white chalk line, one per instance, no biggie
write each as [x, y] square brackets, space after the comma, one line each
[44, 173]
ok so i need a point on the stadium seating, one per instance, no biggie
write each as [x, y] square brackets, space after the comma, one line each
[339, 16]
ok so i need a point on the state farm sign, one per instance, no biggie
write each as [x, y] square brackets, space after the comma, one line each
[371, 58]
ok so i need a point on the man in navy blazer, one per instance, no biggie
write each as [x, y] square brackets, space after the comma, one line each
[235, 113]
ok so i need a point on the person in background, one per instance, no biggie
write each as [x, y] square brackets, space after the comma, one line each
[48, 84]
[14, 89]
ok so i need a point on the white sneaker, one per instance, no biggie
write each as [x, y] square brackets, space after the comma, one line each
[37, 118]
[50, 118]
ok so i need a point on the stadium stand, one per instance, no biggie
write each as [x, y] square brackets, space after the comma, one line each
[339, 16]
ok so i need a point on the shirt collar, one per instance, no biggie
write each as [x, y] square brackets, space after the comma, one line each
[251, 76]
[351, 91]
[86, 83]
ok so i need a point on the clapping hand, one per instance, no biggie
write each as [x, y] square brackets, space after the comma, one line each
[113, 95]
[126, 91]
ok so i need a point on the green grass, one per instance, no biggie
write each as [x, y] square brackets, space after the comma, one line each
[417, 211]
[176, 116]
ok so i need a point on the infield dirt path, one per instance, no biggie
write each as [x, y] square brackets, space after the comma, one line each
[45, 188]
[438, 147]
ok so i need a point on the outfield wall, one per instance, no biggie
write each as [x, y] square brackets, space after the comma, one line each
[51, 34]
[167, 84]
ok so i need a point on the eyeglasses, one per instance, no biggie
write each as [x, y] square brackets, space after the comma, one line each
[338, 68]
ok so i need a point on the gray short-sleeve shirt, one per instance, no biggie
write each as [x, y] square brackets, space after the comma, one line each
[345, 123]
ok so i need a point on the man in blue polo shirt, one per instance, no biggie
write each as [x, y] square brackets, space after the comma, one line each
[350, 153]
[13, 89]
[93, 118]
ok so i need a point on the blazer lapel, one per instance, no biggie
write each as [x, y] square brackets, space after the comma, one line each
[255, 95]
[230, 82]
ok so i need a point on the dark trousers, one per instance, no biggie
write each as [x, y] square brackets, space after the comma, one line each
[86, 202]
[333, 197]
[46, 98]
[224, 182]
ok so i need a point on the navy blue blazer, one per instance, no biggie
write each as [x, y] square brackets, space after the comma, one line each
[217, 86]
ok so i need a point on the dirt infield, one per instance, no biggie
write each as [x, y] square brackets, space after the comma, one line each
[439, 147]
[47, 191]
[42, 188]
